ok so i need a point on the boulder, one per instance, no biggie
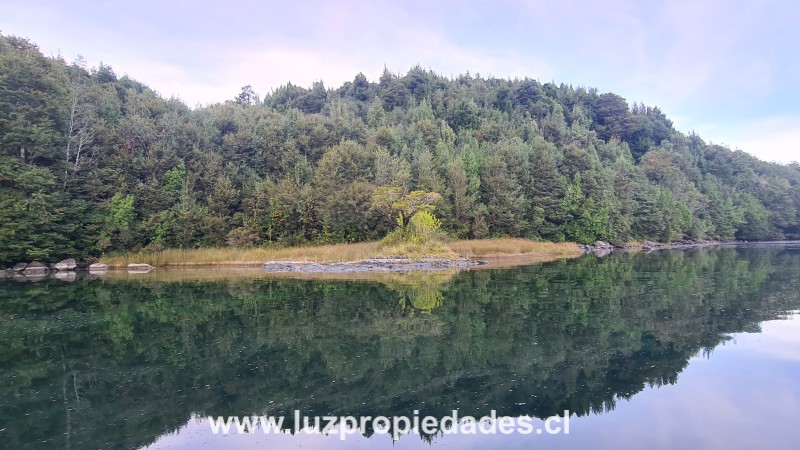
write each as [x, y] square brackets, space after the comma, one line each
[19, 267]
[139, 268]
[602, 244]
[35, 268]
[98, 267]
[67, 264]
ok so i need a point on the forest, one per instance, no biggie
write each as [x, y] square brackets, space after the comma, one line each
[92, 163]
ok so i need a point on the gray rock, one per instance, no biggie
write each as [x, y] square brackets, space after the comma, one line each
[139, 268]
[35, 268]
[67, 264]
[98, 267]
[599, 248]
[19, 267]
[689, 243]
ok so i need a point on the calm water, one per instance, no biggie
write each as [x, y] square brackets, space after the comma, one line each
[683, 349]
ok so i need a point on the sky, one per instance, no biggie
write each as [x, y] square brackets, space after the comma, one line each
[726, 69]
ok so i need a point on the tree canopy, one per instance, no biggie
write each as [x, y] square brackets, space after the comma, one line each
[93, 163]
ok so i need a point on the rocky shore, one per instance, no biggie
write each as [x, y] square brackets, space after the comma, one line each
[371, 265]
[66, 270]
[601, 248]
[69, 269]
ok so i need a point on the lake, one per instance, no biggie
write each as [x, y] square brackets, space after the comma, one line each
[695, 348]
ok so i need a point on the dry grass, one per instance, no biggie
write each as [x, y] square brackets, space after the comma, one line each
[487, 248]
[244, 257]
[411, 250]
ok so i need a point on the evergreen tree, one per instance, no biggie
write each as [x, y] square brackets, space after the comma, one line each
[91, 162]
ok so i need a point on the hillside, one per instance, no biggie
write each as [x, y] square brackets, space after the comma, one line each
[92, 163]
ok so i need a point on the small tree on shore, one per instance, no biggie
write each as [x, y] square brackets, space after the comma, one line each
[393, 202]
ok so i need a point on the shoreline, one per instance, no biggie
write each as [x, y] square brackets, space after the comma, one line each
[460, 253]
[365, 257]
[255, 270]
[491, 258]
[601, 248]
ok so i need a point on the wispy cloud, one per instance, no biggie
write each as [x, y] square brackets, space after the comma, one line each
[771, 139]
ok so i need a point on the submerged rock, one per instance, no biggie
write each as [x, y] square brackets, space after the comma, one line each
[685, 243]
[601, 252]
[66, 275]
[30, 277]
[371, 265]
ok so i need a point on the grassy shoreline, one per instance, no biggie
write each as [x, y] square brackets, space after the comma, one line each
[250, 257]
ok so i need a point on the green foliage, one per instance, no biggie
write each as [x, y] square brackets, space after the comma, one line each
[120, 212]
[586, 221]
[423, 227]
[393, 201]
[93, 162]
[185, 228]
[118, 227]
[175, 178]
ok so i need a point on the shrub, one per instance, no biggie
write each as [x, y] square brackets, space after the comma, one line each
[423, 227]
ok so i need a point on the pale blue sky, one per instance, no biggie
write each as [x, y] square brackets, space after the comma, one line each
[726, 69]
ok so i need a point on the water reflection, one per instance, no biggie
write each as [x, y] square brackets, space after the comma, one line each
[118, 363]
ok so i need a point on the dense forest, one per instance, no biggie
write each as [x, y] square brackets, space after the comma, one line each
[92, 163]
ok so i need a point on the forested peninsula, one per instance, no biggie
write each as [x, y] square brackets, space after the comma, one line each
[92, 164]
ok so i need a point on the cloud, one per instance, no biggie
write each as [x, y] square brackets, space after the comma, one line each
[348, 47]
[270, 68]
[771, 139]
